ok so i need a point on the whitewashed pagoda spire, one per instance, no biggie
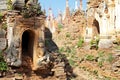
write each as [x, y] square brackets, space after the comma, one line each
[67, 3]
[76, 4]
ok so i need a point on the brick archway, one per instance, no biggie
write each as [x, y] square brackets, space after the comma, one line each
[96, 28]
[28, 38]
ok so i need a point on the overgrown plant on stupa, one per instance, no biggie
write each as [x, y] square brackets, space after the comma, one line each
[21, 26]
[23, 42]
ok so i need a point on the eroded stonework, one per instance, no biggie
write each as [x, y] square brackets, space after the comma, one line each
[21, 36]
[16, 27]
[106, 14]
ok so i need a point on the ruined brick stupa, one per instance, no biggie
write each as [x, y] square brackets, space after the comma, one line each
[24, 35]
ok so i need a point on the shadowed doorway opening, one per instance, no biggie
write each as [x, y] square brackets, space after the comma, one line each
[96, 28]
[28, 43]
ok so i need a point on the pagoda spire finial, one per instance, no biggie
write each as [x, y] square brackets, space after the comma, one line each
[81, 5]
[67, 11]
[67, 3]
[76, 4]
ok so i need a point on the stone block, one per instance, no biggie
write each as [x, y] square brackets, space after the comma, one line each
[3, 5]
[105, 43]
[3, 43]
[2, 33]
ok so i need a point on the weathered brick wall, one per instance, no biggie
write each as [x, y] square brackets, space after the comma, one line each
[3, 5]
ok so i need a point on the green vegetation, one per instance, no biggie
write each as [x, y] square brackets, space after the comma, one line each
[80, 42]
[95, 72]
[107, 78]
[32, 11]
[100, 63]
[1, 15]
[4, 26]
[89, 57]
[72, 62]
[9, 5]
[61, 50]
[3, 64]
[117, 41]
[117, 47]
[68, 50]
[68, 35]
[101, 54]
[94, 43]
[101, 58]
[110, 58]
[71, 54]
[60, 26]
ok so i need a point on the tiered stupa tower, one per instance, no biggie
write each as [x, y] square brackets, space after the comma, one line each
[67, 11]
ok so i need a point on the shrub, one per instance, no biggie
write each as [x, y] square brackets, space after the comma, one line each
[94, 43]
[3, 64]
[61, 50]
[101, 58]
[32, 11]
[101, 54]
[80, 42]
[100, 63]
[95, 72]
[72, 63]
[1, 15]
[60, 26]
[67, 35]
[68, 50]
[110, 57]
[89, 57]
[9, 5]
[4, 26]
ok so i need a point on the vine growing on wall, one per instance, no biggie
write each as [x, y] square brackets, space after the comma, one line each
[1, 16]
[9, 5]
[3, 64]
[30, 11]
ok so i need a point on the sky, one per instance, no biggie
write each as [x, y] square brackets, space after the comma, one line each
[58, 5]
